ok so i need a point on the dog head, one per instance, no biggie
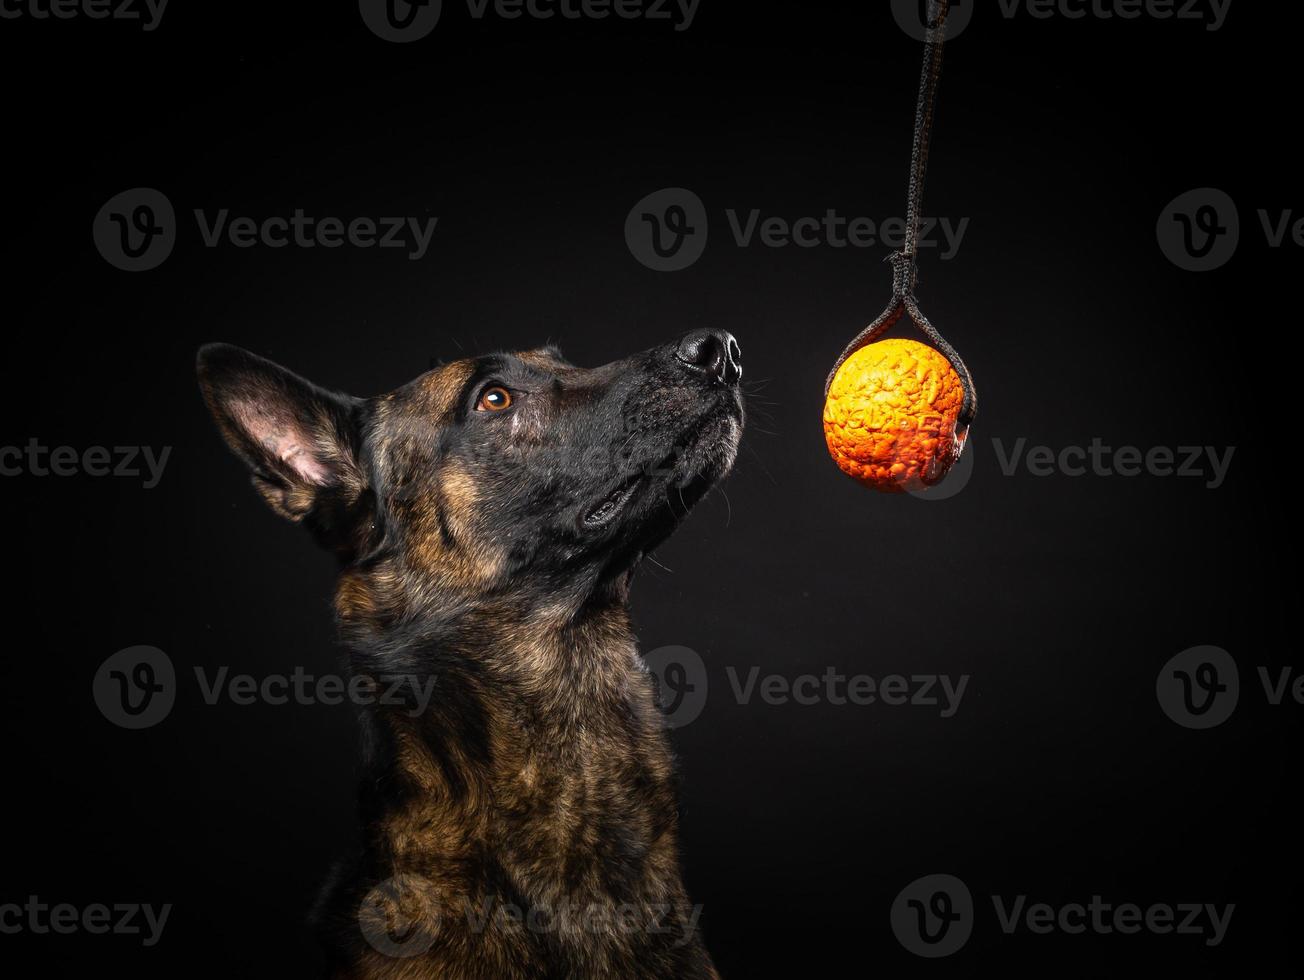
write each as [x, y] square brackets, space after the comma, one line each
[502, 474]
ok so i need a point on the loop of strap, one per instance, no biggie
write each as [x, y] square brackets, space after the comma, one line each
[905, 273]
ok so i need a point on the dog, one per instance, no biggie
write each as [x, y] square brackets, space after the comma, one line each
[488, 518]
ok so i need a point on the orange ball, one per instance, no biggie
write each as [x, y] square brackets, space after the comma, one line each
[890, 416]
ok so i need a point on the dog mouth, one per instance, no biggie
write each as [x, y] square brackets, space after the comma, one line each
[612, 504]
[698, 458]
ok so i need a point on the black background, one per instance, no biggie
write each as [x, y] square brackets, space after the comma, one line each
[1062, 141]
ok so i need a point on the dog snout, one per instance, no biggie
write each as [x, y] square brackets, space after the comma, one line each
[714, 354]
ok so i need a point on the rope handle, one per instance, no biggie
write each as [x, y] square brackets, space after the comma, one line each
[905, 273]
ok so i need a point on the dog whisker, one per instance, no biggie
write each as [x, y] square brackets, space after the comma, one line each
[761, 463]
[658, 564]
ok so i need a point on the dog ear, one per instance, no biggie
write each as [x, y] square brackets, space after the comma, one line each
[300, 441]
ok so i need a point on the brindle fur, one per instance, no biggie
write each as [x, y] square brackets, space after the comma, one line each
[539, 779]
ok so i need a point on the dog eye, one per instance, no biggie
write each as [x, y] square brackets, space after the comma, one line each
[494, 399]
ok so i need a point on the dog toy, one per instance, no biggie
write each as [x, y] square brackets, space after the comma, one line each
[891, 413]
[897, 412]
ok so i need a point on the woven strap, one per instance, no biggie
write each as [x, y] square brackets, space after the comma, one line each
[905, 273]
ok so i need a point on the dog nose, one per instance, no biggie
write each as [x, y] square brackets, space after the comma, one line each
[714, 353]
